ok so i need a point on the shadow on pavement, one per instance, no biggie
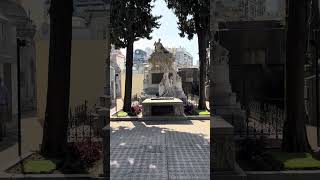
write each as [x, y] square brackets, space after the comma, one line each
[139, 151]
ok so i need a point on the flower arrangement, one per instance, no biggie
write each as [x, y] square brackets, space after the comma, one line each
[136, 109]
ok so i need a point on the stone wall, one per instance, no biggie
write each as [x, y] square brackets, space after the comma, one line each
[262, 75]
[137, 84]
[87, 73]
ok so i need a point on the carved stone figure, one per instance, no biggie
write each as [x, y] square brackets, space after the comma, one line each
[165, 85]
[159, 47]
[221, 54]
[225, 100]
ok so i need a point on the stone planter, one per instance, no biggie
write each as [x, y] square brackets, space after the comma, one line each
[8, 176]
[222, 160]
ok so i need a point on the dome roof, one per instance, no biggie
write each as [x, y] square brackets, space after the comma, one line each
[11, 9]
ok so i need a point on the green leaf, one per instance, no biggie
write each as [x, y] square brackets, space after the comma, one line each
[193, 15]
[131, 20]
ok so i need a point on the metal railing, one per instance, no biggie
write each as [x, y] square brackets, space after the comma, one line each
[263, 119]
[84, 124]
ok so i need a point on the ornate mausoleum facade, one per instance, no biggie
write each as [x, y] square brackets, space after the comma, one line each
[15, 23]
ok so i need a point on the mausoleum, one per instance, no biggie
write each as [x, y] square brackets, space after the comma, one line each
[161, 78]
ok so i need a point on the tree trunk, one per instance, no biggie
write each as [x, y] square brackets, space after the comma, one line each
[202, 43]
[294, 134]
[54, 141]
[128, 84]
[316, 37]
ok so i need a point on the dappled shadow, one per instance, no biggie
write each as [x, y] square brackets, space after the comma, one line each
[159, 150]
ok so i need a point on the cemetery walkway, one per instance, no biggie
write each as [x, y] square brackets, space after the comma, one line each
[160, 150]
[117, 108]
[31, 138]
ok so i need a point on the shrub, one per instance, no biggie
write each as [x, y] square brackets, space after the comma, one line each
[251, 147]
[189, 109]
[136, 109]
[254, 151]
[87, 151]
[266, 162]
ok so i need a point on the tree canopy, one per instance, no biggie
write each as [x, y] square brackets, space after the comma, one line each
[194, 18]
[131, 20]
[193, 15]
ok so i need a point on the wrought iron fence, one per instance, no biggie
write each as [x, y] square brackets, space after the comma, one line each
[262, 119]
[85, 133]
[84, 124]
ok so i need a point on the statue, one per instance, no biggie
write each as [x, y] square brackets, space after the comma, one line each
[221, 54]
[165, 86]
[159, 47]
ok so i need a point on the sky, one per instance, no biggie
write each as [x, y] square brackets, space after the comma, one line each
[168, 33]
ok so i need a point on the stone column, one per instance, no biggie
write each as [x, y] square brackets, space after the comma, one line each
[222, 149]
[222, 146]
[103, 119]
[222, 100]
[106, 151]
[105, 112]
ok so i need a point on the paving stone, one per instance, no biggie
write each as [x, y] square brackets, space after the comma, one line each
[148, 153]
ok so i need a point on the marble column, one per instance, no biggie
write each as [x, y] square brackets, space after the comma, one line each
[223, 100]
[105, 111]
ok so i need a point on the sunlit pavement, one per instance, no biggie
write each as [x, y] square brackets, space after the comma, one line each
[160, 150]
[118, 107]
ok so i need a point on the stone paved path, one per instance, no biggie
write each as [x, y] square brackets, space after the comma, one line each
[160, 150]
